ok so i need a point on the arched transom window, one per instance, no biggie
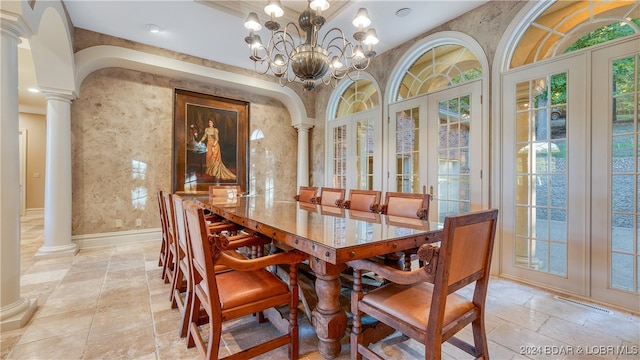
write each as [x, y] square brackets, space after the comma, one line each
[571, 25]
[361, 95]
[440, 67]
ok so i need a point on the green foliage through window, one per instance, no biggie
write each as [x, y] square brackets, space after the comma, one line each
[604, 34]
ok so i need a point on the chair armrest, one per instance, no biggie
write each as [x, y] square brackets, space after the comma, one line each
[296, 197]
[233, 242]
[382, 209]
[392, 274]
[376, 208]
[428, 253]
[344, 203]
[422, 213]
[221, 226]
[290, 258]
[315, 200]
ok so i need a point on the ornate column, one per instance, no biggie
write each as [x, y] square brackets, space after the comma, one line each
[57, 186]
[15, 311]
[303, 154]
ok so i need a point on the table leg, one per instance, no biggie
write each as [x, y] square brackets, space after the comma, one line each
[328, 318]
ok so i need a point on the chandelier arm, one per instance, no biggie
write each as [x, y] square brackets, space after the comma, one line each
[288, 39]
[354, 77]
[339, 36]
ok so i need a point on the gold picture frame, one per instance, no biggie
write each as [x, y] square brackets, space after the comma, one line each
[210, 142]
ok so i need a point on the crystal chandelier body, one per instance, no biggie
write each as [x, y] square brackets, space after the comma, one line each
[296, 52]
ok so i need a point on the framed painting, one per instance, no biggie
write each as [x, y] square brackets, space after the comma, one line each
[210, 142]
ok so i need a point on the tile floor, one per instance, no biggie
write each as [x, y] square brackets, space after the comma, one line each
[110, 303]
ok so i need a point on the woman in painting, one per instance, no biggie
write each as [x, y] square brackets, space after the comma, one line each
[215, 167]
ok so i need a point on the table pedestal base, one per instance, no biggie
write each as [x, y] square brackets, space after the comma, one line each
[328, 318]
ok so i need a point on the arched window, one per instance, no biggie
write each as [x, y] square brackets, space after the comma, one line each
[361, 95]
[439, 67]
[353, 130]
[566, 26]
[436, 134]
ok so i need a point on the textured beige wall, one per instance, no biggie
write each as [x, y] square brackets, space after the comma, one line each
[124, 116]
[36, 126]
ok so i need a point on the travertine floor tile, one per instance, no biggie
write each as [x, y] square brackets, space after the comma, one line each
[65, 346]
[56, 325]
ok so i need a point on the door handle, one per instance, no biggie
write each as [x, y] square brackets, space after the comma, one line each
[431, 193]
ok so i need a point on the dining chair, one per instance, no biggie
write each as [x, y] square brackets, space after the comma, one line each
[246, 289]
[182, 285]
[362, 200]
[170, 260]
[307, 194]
[330, 196]
[424, 304]
[162, 260]
[409, 205]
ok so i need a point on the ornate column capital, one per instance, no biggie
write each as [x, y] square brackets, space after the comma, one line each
[60, 95]
[303, 127]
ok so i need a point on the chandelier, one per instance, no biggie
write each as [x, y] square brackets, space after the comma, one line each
[311, 61]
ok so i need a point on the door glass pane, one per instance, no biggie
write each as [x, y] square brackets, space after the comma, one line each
[364, 154]
[624, 175]
[407, 155]
[541, 174]
[453, 150]
[340, 156]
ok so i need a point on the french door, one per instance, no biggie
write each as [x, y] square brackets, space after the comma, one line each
[616, 176]
[355, 160]
[435, 147]
[544, 190]
[570, 194]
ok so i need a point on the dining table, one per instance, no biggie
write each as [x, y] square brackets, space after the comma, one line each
[331, 236]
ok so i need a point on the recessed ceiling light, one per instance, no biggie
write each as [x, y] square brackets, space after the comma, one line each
[154, 28]
[33, 90]
[403, 12]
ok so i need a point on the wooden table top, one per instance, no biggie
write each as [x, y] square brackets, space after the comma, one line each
[330, 234]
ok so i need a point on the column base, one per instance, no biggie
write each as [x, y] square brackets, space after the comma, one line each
[17, 314]
[49, 252]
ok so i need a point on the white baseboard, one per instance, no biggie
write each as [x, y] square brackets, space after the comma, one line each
[116, 238]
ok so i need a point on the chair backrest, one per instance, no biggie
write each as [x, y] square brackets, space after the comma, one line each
[170, 216]
[307, 194]
[181, 231]
[406, 205]
[465, 252]
[329, 196]
[163, 214]
[202, 253]
[225, 191]
[363, 200]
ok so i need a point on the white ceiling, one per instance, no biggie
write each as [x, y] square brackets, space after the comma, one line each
[215, 30]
